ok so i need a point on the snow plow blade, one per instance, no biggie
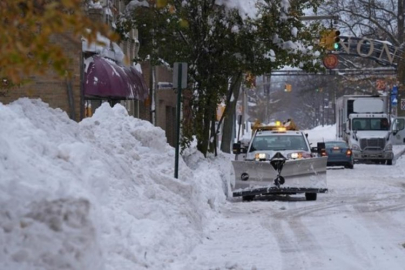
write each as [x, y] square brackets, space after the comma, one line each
[301, 176]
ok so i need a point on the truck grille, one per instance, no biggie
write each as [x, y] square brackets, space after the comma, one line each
[372, 144]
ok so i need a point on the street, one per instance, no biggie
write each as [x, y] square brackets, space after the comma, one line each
[358, 224]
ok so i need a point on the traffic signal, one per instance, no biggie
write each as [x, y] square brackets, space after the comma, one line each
[319, 90]
[330, 39]
[336, 40]
[326, 38]
[287, 87]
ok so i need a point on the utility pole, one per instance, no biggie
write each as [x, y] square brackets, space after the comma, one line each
[266, 87]
[317, 18]
[323, 108]
[245, 110]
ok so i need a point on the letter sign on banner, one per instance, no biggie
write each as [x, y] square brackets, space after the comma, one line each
[380, 84]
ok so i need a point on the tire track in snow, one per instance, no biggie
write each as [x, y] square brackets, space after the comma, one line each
[384, 232]
[302, 245]
[339, 206]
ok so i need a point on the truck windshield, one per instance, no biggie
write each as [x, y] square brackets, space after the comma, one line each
[370, 124]
[278, 142]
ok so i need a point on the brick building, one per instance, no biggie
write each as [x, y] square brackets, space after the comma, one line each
[70, 95]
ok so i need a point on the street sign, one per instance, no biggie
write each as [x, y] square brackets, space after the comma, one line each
[182, 69]
[330, 61]
[394, 100]
[394, 90]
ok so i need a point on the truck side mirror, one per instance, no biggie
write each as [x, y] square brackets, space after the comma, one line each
[355, 134]
[321, 147]
[238, 149]
[389, 135]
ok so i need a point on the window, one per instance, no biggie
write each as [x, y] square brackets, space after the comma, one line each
[278, 143]
[338, 144]
[371, 124]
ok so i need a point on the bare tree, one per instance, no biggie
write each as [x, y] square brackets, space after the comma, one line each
[378, 19]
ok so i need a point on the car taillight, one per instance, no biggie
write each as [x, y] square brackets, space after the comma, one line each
[324, 154]
[348, 152]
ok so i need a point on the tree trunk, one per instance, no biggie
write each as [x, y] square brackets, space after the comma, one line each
[229, 114]
[401, 20]
[213, 140]
[203, 142]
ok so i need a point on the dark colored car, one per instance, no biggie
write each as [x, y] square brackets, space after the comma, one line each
[339, 154]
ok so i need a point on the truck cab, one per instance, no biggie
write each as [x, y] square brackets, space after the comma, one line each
[369, 137]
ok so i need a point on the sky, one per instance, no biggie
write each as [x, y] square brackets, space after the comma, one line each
[101, 193]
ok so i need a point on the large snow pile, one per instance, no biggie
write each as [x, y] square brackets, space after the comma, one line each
[322, 134]
[99, 194]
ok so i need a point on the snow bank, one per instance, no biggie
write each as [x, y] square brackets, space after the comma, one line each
[98, 194]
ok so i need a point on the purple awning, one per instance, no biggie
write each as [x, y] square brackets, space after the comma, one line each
[105, 79]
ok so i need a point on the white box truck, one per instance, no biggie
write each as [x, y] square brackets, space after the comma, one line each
[364, 123]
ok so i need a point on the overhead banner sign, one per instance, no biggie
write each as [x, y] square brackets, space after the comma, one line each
[365, 47]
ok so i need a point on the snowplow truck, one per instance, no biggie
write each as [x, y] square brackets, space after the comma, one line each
[278, 160]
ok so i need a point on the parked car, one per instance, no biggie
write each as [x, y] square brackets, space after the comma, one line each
[339, 154]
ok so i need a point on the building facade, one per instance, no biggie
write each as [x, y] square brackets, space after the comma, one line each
[71, 94]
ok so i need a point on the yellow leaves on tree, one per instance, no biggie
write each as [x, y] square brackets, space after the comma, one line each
[32, 34]
[161, 3]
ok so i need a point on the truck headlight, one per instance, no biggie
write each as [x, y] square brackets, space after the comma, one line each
[388, 147]
[299, 155]
[295, 155]
[260, 156]
[356, 147]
